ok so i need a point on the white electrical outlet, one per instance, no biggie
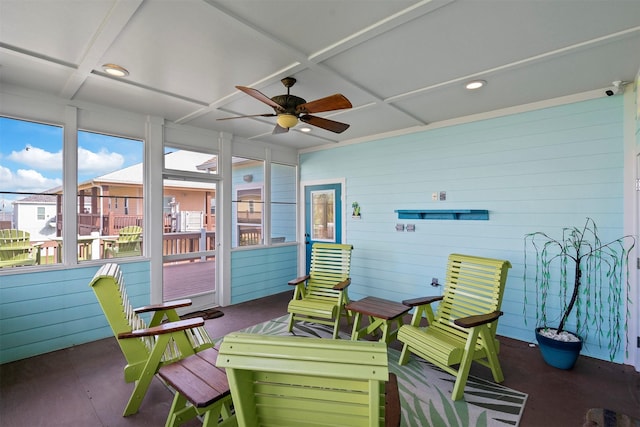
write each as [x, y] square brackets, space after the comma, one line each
[434, 196]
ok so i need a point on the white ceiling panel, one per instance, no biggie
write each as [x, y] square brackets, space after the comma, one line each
[59, 30]
[466, 38]
[187, 48]
[34, 73]
[401, 63]
[123, 96]
[311, 26]
[535, 82]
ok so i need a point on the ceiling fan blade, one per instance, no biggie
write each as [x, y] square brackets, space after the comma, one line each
[323, 123]
[251, 115]
[279, 129]
[330, 103]
[260, 97]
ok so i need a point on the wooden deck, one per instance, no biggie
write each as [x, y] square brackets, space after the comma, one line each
[184, 279]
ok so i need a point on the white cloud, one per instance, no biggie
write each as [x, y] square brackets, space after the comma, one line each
[37, 158]
[100, 162]
[26, 180]
[88, 161]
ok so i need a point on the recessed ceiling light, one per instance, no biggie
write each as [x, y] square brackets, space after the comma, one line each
[115, 70]
[305, 129]
[475, 84]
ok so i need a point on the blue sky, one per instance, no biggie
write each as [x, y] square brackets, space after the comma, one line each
[31, 156]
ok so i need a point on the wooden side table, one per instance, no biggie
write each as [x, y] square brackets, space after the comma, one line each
[382, 313]
[201, 388]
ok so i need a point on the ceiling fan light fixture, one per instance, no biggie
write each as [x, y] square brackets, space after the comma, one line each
[115, 70]
[287, 120]
[475, 84]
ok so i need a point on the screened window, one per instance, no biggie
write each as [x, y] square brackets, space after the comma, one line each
[110, 196]
[31, 188]
[248, 201]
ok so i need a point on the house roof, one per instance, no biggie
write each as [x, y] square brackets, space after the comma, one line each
[179, 160]
[37, 199]
[401, 63]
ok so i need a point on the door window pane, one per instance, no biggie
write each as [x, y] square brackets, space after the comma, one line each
[283, 203]
[323, 215]
[189, 234]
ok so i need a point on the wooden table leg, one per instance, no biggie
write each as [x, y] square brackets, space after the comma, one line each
[355, 332]
[374, 325]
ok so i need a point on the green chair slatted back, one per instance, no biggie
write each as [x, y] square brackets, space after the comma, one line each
[145, 347]
[320, 297]
[299, 381]
[128, 242]
[16, 249]
[463, 329]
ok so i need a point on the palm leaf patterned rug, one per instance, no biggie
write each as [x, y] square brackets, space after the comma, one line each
[425, 390]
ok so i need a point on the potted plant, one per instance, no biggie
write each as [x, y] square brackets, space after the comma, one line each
[356, 210]
[586, 277]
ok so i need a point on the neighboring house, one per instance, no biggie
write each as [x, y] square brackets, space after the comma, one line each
[187, 206]
[115, 200]
[36, 215]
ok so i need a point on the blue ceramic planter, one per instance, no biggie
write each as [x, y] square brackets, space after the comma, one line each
[559, 354]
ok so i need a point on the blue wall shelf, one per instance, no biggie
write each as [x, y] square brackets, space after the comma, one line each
[455, 214]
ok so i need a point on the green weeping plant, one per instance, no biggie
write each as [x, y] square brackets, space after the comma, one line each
[591, 281]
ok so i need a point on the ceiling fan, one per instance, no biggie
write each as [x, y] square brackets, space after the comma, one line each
[290, 108]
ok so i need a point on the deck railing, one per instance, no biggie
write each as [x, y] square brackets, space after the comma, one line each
[111, 223]
[172, 244]
[188, 242]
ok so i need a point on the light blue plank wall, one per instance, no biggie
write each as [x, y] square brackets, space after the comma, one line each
[256, 273]
[46, 311]
[539, 170]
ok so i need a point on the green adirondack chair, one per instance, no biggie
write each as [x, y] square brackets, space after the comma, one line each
[299, 381]
[16, 249]
[463, 329]
[321, 295]
[146, 347]
[127, 244]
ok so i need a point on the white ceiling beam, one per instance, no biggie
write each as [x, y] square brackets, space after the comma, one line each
[111, 27]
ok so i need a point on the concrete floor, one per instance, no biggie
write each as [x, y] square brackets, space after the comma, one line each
[84, 386]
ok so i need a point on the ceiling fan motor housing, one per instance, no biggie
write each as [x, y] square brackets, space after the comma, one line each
[289, 103]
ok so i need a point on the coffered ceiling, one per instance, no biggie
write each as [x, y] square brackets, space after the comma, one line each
[401, 63]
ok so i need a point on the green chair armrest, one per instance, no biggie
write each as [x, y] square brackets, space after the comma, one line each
[298, 280]
[422, 308]
[164, 328]
[169, 305]
[340, 286]
[421, 301]
[477, 320]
